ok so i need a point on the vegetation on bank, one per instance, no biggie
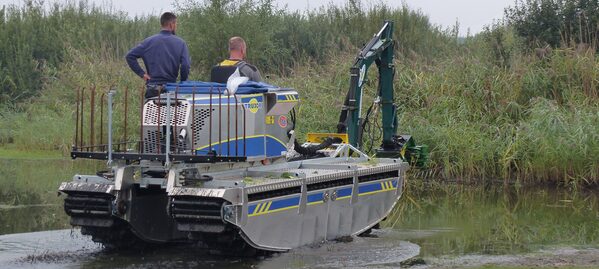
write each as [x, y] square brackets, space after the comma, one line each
[555, 23]
[36, 40]
[30, 155]
[488, 107]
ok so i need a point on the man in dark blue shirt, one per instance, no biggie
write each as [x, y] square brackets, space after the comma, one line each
[163, 55]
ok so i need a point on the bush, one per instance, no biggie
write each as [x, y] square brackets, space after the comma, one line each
[555, 22]
[34, 41]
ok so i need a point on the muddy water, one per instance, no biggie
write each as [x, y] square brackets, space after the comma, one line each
[445, 224]
[28, 196]
[491, 220]
[68, 249]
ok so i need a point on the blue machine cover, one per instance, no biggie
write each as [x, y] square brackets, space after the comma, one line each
[202, 87]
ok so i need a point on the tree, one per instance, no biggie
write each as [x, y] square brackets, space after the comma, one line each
[555, 22]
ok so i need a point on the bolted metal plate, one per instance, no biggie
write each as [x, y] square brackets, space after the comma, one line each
[85, 187]
[217, 193]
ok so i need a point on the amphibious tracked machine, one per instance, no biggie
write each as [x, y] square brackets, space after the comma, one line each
[218, 165]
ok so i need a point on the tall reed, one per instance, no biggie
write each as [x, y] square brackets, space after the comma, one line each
[487, 109]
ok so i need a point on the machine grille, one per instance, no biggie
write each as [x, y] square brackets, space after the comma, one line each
[151, 115]
[200, 123]
[154, 115]
[151, 138]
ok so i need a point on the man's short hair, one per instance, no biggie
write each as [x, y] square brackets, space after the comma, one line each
[166, 18]
[236, 43]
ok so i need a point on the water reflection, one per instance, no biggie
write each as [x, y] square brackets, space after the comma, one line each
[21, 219]
[439, 219]
[459, 219]
[28, 196]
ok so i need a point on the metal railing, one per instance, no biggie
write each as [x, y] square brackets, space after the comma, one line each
[84, 145]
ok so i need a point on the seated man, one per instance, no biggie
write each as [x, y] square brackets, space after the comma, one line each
[237, 51]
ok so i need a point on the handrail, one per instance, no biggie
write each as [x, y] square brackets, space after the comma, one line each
[168, 128]
[166, 132]
[110, 95]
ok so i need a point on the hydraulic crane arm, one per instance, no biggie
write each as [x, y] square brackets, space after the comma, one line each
[379, 50]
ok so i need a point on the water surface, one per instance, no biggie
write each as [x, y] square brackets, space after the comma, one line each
[433, 220]
[457, 219]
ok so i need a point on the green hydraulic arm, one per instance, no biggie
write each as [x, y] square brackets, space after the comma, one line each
[379, 50]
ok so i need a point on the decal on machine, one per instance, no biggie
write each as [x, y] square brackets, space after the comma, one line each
[282, 121]
[253, 105]
[270, 120]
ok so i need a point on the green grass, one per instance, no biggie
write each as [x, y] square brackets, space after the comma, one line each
[36, 39]
[30, 155]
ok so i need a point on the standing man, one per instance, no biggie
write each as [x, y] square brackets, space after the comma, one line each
[237, 53]
[163, 55]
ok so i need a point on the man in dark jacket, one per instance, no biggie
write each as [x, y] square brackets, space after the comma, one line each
[237, 52]
[163, 54]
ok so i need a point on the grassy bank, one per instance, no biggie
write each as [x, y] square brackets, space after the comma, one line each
[486, 111]
[535, 121]
[30, 154]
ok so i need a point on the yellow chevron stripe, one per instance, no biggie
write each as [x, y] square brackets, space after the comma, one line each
[290, 98]
[372, 192]
[263, 207]
[257, 210]
[387, 185]
[274, 211]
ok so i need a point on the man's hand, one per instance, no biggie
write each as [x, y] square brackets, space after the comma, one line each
[146, 77]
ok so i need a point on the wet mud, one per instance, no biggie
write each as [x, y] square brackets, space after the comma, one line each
[550, 258]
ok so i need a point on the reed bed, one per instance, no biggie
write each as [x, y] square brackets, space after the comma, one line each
[487, 110]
